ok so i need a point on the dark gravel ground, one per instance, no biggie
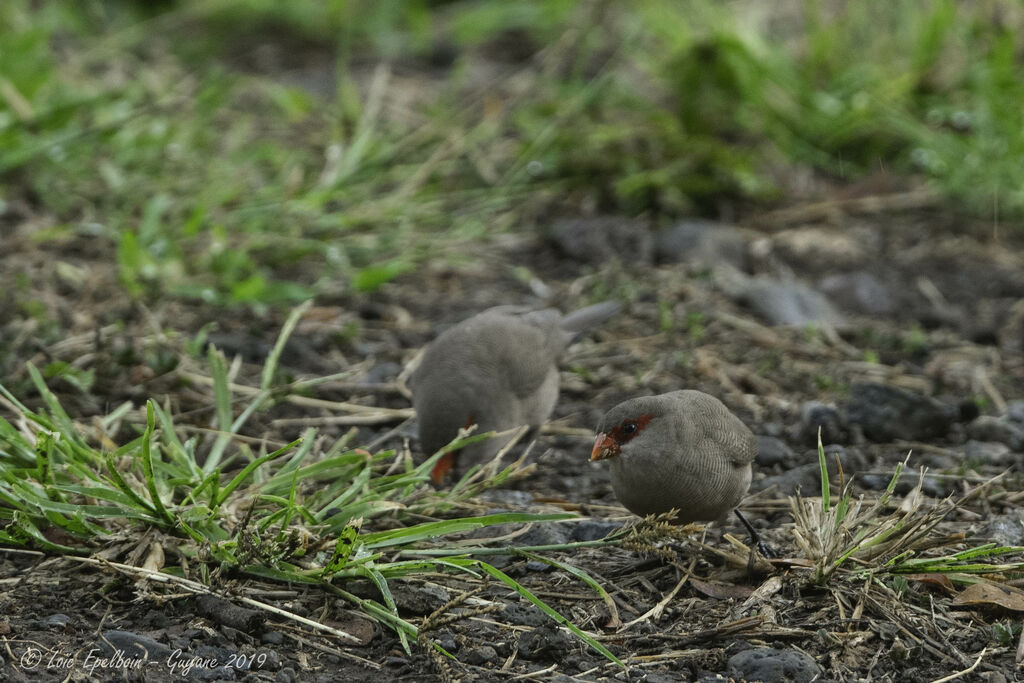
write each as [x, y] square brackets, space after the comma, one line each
[921, 351]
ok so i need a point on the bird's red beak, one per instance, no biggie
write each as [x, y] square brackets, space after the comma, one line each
[604, 447]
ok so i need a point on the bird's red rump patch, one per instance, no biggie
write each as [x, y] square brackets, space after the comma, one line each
[442, 467]
[446, 463]
[626, 430]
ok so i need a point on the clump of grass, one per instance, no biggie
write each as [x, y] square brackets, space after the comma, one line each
[291, 514]
[861, 539]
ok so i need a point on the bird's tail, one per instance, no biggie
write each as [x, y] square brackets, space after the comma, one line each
[576, 323]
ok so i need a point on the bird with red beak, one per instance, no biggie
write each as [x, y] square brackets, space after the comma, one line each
[681, 451]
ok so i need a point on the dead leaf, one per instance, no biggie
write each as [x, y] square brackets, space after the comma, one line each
[983, 594]
[721, 591]
[360, 629]
[155, 557]
[933, 579]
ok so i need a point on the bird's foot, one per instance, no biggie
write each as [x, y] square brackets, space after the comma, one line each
[755, 538]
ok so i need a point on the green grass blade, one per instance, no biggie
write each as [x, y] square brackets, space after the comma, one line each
[270, 367]
[429, 530]
[248, 469]
[147, 468]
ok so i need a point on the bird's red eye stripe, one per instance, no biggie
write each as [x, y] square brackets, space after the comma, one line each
[628, 429]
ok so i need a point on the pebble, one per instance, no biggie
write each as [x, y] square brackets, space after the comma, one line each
[1015, 411]
[988, 453]
[57, 621]
[592, 530]
[481, 655]
[772, 451]
[806, 478]
[788, 302]
[989, 428]
[1006, 529]
[446, 639]
[886, 413]
[272, 637]
[522, 615]
[286, 675]
[815, 415]
[858, 292]
[703, 242]
[542, 641]
[133, 645]
[601, 239]
[770, 664]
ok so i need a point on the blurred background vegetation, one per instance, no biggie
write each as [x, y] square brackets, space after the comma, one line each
[253, 152]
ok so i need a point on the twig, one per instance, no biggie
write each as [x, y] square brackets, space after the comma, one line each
[966, 671]
[534, 674]
[655, 612]
[916, 199]
[307, 402]
[344, 420]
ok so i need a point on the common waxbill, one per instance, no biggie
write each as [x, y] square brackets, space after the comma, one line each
[681, 450]
[496, 370]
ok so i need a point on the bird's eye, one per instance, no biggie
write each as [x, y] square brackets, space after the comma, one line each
[629, 428]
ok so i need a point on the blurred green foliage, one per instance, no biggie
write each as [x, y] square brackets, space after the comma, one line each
[187, 137]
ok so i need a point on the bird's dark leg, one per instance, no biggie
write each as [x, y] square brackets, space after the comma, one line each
[755, 538]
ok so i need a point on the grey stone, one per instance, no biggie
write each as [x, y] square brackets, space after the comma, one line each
[593, 529]
[133, 645]
[859, 292]
[481, 655]
[806, 478]
[988, 453]
[286, 675]
[446, 639]
[523, 615]
[542, 642]
[788, 302]
[57, 621]
[272, 637]
[769, 664]
[885, 413]
[266, 659]
[1015, 411]
[772, 451]
[815, 415]
[989, 428]
[992, 677]
[703, 242]
[1005, 529]
[601, 239]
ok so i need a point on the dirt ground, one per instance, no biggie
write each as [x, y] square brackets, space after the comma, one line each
[952, 328]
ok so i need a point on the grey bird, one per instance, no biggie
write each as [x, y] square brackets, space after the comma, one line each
[682, 450]
[497, 370]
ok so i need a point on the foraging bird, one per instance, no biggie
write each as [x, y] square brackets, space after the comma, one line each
[497, 370]
[683, 450]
